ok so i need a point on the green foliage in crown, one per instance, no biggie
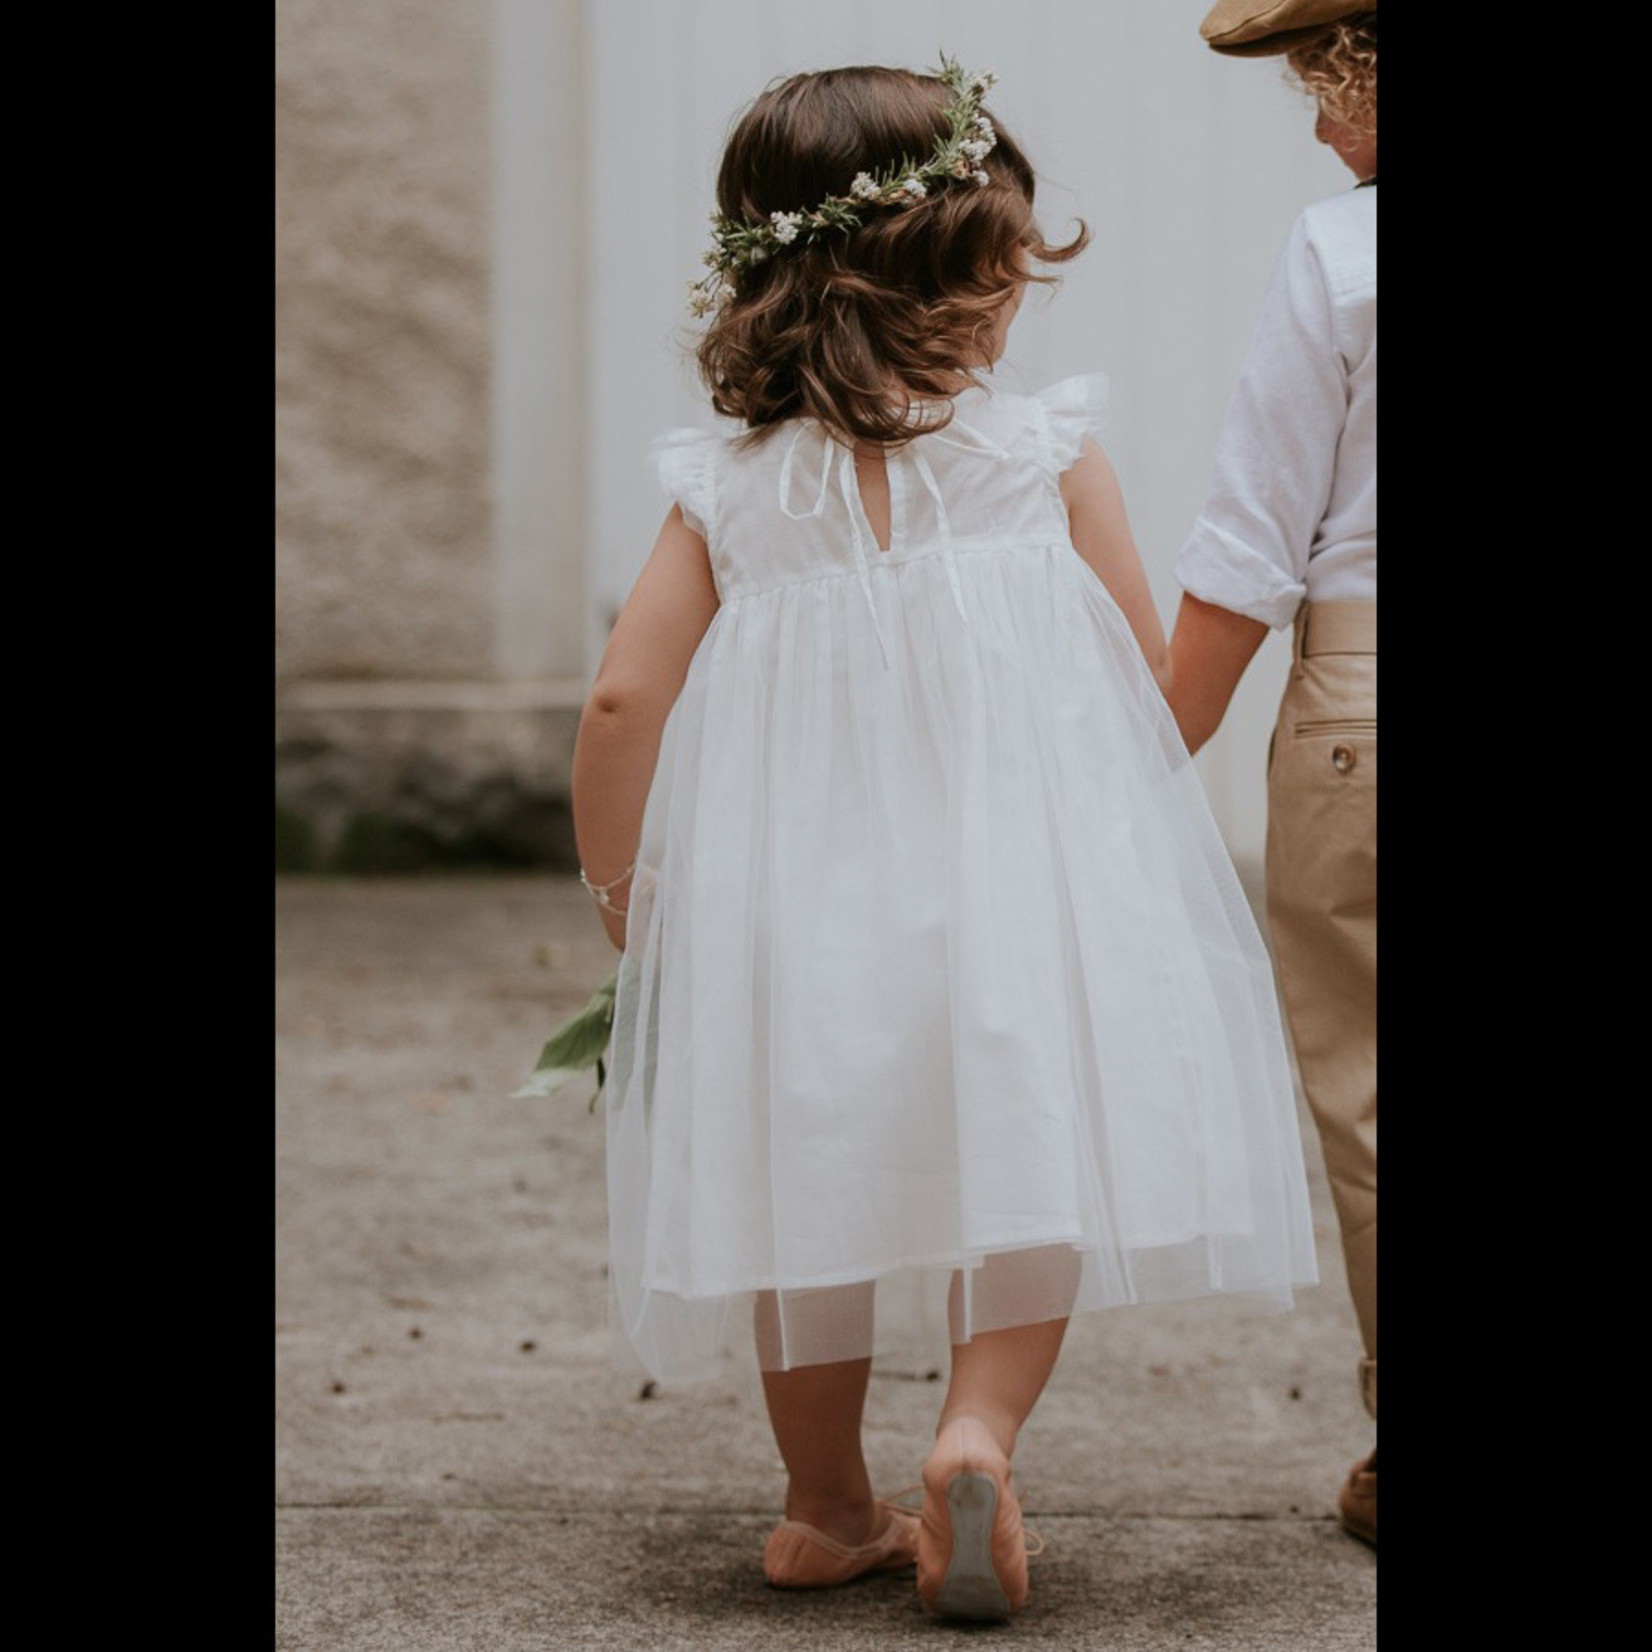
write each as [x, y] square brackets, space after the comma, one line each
[741, 244]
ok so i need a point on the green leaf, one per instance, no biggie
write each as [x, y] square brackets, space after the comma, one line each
[577, 1046]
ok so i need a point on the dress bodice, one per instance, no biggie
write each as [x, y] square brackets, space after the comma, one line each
[786, 508]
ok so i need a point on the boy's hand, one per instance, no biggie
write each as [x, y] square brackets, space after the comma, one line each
[1209, 650]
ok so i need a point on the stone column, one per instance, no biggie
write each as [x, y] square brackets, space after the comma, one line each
[431, 506]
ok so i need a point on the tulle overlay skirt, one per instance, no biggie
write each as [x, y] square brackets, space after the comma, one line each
[939, 984]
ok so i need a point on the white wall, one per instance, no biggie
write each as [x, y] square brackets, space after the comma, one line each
[1188, 167]
[542, 573]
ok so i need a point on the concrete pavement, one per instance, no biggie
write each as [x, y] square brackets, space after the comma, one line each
[458, 1466]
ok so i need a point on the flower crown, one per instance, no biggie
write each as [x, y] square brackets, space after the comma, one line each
[741, 244]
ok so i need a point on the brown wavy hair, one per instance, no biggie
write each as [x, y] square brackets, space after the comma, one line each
[1339, 68]
[860, 328]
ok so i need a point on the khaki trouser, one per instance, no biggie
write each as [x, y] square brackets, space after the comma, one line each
[1322, 911]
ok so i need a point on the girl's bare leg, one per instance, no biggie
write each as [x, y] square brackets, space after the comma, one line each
[998, 1375]
[815, 1411]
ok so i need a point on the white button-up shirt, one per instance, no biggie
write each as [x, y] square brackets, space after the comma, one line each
[1292, 513]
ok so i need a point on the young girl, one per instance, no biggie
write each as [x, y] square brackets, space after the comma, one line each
[935, 967]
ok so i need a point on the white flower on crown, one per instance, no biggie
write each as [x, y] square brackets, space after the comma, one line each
[744, 244]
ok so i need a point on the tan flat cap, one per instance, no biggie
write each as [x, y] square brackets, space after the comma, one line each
[1264, 28]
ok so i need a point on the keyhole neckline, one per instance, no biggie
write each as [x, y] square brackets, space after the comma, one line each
[896, 478]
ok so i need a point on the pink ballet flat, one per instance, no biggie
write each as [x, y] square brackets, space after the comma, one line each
[799, 1556]
[972, 1552]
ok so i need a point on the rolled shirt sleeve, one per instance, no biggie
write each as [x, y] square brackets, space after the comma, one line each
[1276, 456]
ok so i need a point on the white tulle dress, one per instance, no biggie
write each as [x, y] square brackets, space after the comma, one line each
[938, 974]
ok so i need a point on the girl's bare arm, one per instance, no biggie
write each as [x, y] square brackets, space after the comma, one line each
[1101, 535]
[642, 672]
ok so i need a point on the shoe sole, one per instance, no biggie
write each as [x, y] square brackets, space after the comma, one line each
[971, 1588]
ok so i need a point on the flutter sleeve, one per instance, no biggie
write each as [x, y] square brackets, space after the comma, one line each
[684, 462]
[1067, 412]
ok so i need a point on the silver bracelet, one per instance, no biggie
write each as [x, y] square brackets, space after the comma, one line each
[599, 891]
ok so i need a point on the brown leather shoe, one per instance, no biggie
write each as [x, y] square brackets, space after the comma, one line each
[1357, 1501]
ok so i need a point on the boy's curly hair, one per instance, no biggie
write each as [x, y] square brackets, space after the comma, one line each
[1339, 68]
[860, 328]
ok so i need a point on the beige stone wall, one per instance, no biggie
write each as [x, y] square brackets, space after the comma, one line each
[383, 458]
